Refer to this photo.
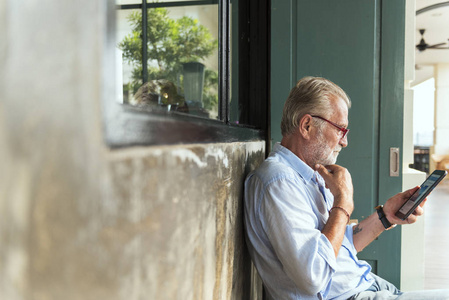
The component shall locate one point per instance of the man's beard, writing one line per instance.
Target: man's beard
(322, 153)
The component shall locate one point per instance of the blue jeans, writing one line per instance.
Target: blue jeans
(383, 290)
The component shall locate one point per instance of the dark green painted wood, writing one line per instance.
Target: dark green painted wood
(337, 40)
(358, 45)
(283, 58)
(391, 126)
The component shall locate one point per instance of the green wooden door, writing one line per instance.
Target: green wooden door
(358, 44)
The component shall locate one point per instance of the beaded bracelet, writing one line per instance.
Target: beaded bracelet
(344, 210)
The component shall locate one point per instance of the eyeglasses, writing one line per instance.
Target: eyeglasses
(342, 129)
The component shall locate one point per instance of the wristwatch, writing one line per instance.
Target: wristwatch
(383, 218)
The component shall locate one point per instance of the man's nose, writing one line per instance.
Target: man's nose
(344, 141)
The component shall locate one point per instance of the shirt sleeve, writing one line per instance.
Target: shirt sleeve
(289, 220)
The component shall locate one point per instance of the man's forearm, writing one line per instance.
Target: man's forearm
(335, 229)
(367, 231)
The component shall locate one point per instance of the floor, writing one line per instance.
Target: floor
(437, 238)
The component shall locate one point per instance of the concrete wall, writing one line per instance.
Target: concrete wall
(81, 221)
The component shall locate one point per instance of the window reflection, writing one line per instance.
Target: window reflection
(178, 70)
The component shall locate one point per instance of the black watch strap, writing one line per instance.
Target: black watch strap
(383, 218)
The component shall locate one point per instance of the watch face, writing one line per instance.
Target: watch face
(391, 227)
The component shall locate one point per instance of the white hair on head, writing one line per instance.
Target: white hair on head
(310, 95)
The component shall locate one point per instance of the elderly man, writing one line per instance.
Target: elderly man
(298, 204)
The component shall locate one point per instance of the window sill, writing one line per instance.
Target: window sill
(126, 126)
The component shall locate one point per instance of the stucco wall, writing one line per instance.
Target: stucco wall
(81, 221)
(180, 220)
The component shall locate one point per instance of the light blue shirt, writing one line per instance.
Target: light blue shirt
(286, 207)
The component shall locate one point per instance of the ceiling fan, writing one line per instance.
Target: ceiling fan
(422, 46)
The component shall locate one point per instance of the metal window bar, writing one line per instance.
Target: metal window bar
(167, 4)
(144, 43)
(224, 61)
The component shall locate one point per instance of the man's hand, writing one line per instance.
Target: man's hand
(339, 182)
(394, 203)
(370, 228)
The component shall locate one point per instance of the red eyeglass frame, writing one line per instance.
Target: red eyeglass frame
(342, 129)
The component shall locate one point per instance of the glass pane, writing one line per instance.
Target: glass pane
(124, 66)
(182, 59)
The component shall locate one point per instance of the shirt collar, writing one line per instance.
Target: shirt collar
(306, 172)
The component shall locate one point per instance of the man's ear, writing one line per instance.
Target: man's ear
(305, 126)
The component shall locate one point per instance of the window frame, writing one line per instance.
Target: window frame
(126, 125)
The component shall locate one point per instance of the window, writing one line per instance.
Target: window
(190, 71)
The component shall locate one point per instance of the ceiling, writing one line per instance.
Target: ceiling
(436, 23)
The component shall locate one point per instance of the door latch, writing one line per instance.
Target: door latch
(394, 162)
